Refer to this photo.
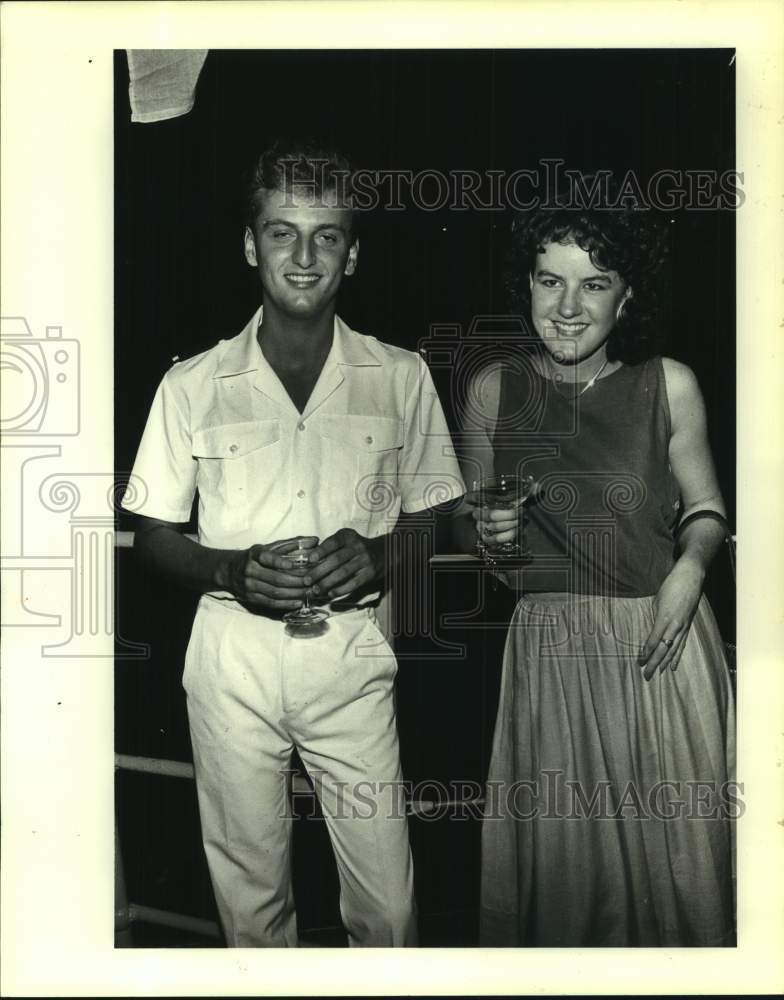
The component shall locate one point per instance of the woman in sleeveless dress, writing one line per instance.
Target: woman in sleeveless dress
(610, 794)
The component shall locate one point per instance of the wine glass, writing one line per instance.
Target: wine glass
(502, 491)
(304, 620)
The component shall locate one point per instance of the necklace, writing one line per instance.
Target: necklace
(588, 385)
(592, 380)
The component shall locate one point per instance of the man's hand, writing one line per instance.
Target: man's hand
(263, 577)
(345, 561)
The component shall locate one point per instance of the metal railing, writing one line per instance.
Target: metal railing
(127, 913)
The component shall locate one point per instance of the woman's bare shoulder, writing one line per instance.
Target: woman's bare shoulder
(679, 377)
(683, 389)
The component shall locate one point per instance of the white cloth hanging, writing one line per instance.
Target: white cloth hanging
(163, 82)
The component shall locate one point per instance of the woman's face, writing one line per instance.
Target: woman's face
(573, 302)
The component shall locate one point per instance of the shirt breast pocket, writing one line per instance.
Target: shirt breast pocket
(361, 456)
(236, 465)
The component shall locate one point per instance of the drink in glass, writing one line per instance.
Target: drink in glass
(303, 621)
(500, 492)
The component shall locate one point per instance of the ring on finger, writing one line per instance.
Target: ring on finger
(667, 642)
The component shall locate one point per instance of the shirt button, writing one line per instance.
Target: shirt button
(300, 427)
(369, 439)
(301, 494)
(233, 448)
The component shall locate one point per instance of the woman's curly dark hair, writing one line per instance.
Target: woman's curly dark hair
(632, 242)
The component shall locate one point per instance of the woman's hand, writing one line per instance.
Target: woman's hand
(674, 607)
(496, 525)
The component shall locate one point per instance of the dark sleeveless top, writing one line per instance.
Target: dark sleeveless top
(602, 519)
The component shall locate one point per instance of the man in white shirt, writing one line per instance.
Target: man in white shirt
(298, 432)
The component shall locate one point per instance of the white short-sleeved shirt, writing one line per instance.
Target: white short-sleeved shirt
(372, 441)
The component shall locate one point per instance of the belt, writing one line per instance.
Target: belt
(232, 604)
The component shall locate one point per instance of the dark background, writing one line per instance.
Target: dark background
(181, 283)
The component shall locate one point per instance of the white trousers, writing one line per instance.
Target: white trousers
(254, 693)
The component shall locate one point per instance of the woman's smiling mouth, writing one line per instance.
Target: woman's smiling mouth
(569, 328)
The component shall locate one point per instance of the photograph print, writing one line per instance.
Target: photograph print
(424, 373)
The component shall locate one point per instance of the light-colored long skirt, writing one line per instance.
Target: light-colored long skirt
(610, 799)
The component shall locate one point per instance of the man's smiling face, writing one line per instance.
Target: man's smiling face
(301, 249)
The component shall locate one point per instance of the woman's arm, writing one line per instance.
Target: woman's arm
(477, 461)
(692, 465)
